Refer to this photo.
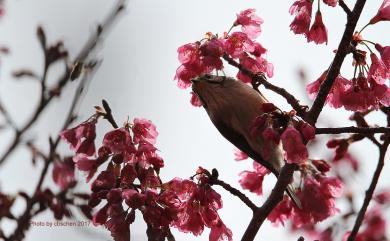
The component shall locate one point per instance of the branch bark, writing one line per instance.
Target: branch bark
(370, 190)
(23, 222)
(236, 192)
(274, 198)
(353, 129)
(83, 55)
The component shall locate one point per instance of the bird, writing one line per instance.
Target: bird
(232, 107)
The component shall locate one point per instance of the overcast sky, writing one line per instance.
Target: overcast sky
(136, 77)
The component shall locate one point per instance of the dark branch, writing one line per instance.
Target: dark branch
(237, 193)
(275, 197)
(334, 70)
(370, 190)
(345, 8)
(353, 129)
(261, 80)
(23, 222)
(108, 115)
(83, 55)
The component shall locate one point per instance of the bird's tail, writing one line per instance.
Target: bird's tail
(293, 196)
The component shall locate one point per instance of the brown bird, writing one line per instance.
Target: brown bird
(232, 107)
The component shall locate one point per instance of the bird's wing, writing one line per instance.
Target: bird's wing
(241, 143)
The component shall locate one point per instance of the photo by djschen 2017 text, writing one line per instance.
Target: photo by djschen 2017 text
(219, 120)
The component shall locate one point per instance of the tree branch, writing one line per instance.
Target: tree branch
(236, 192)
(274, 198)
(345, 8)
(334, 70)
(370, 190)
(83, 55)
(260, 79)
(353, 129)
(23, 222)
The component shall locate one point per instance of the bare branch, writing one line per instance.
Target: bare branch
(353, 129)
(236, 192)
(64, 79)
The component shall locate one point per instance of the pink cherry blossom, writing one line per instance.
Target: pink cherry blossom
(199, 205)
(119, 227)
(361, 96)
(308, 132)
(302, 10)
(259, 50)
(253, 180)
(383, 13)
(385, 54)
(81, 138)
(318, 200)
(238, 43)
(119, 141)
(331, 3)
(184, 75)
(239, 155)
(378, 70)
(133, 198)
(189, 56)
(220, 232)
(282, 212)
(144, 130)
(383, 197)
(63, 173)
(339, 87)
(250, 22)
(295, 150)
(258, 65)
(104, 181)
(211, 52)
(86, 164)
(189, 53)
(195, 101)
(318, 32)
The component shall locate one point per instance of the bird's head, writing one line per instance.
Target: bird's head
(211, 88)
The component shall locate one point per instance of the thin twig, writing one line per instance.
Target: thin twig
(108, 115)
(345, 8)
(353, 129)
(237, 193)
(370, 190)
(334, 70)
(300, 109)
(274, 198)
(23, 222)
(64, 79)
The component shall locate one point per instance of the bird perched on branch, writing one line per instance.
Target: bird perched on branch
(232, 107)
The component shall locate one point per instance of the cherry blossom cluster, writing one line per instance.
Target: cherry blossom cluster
(205, 56)
(317, 191)
(302, 9)
(368, 88)
(277, 126)
(130, 181)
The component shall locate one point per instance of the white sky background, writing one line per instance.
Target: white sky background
(136, 77)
